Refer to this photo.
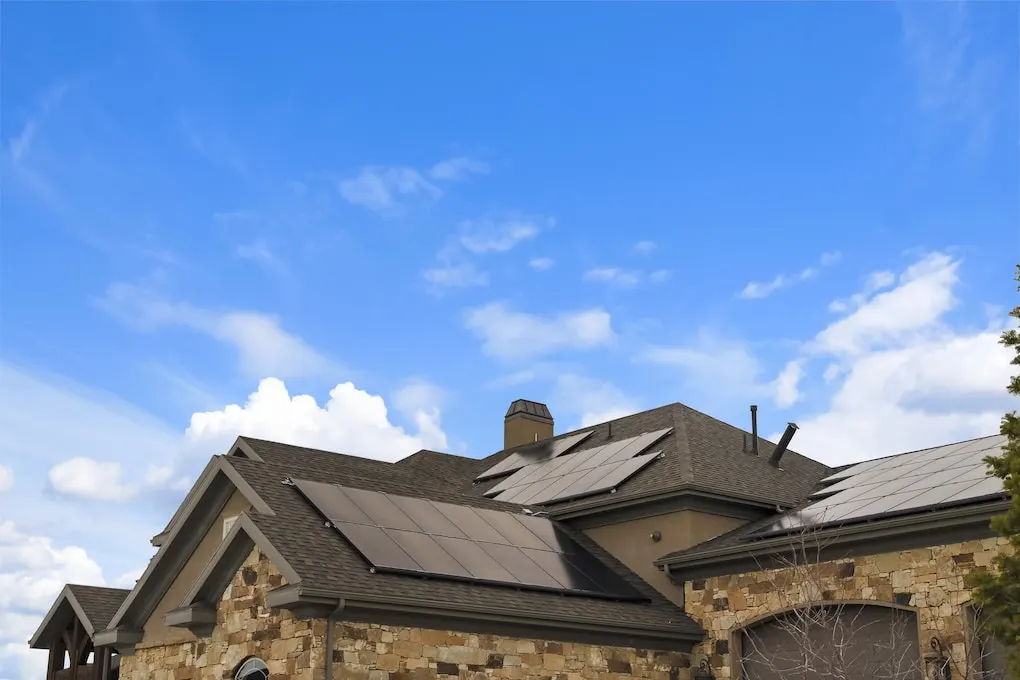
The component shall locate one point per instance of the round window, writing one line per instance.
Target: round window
(252, 669)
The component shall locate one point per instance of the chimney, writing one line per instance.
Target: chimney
(791, 429)
(526, 422)
(753, 448)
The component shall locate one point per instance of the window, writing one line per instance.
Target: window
(228, 524)
(252, 669)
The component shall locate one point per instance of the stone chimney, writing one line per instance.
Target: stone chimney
(526, 422)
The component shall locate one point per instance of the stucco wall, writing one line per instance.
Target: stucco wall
(155, 629)
(929, 581)
(631, 542)
(294, 649)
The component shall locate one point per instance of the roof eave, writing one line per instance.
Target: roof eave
(936, 525)
(441, 615)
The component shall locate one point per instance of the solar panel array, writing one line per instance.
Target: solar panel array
(534, 453)
(417, 536)
(944, 475)
(584, 473)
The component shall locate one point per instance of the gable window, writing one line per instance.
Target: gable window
(252, 669)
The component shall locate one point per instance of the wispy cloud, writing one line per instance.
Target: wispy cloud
(263, 346)
(956, 81)
(644, 247)
(462, 275)
(214, 146)
(756, 290)
(625, 278)
(458, 169)
(19, 145)
(874, 282)
(500, 235)
(382, 188)
(510, 334)
(541, 263)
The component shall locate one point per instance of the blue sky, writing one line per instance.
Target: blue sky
(443, 207)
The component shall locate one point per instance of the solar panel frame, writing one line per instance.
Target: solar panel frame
(490, 546)
(934, 477)
(542, 483)
(543, 451)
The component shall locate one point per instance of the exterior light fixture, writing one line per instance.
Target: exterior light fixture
(703, 671)
(937, 662)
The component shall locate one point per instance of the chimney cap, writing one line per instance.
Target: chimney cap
(530, 408)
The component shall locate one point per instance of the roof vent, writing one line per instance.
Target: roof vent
(751, 440)
(526, 422)
(791, 429)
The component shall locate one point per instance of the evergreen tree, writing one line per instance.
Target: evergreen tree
(997, 592)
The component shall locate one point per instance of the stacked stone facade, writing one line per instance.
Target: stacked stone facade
(294, 649)
(929, 581)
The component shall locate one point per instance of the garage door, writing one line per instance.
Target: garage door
(853, 642)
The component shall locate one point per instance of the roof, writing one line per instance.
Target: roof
(701, 453)
(530, 408)
(94, 606)
(326, 561)
(757, 533)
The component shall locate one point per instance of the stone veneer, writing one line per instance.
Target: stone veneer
(928, 580)
(294, 648)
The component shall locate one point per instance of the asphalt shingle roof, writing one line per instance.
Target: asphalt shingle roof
(99, 604)
(325, 560)
(701, 452)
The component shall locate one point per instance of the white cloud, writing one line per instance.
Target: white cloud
(541, 263)
(903, 378)
(263, 347)
(923, 296)
(660, 276)
(712, 362)
(510, 334)
(614, 276)
(756, 290)
(6, 478)
(257, 251)
(499, 236)
(19, 146)
(458, 168)
(351, 421)
(462, 275)
(644, 247)
(88, 478)
(787, 384)
(380, 188)
(874, 282)
(594, 401)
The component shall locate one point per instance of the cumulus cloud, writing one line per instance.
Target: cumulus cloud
(903, 378)
(540, 264)
(787, 392)
(351, 421)
(263, 346)
(33, 570)
(509, 334)
(756, 290)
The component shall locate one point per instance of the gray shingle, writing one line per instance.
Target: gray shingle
(99, 604)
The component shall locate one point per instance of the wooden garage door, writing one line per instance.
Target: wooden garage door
(853, 642)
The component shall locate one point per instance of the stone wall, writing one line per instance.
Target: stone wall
(294, 649)
(928, 580)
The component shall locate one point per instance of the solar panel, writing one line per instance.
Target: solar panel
(533, 453)
(416, 536)
(955, 473)
(580, 474)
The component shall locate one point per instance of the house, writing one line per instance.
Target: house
(648, 546)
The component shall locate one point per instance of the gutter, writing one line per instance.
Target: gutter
(330, 620)
(834, 536)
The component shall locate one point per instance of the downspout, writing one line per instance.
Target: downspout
(330, 620)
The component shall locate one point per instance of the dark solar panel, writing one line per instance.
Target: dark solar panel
(533, 453)
(417, 536)
(584, 473)
(955, 473)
